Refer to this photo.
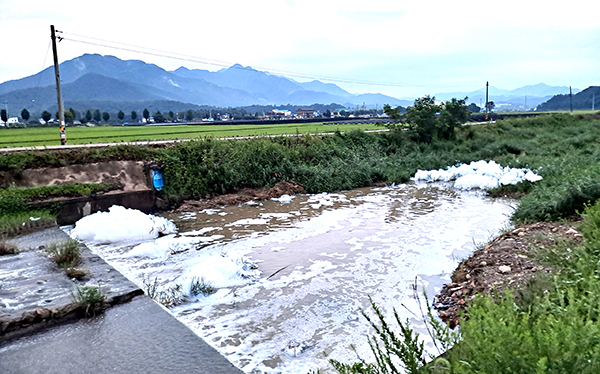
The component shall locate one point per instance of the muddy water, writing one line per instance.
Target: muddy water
(317, 259)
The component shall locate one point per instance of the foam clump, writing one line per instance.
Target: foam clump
(221, 271)
(284, 199)
(121, 224)
(477, 174)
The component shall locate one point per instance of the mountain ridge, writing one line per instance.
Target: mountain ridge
(94, 77)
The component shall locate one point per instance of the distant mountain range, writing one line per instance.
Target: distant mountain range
(107, 82)
(91, 78)
(526, 97)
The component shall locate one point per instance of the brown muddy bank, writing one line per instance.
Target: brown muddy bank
(507, 262)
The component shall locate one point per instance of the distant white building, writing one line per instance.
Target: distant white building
(10, 121)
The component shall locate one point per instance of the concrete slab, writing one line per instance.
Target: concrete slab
(136, 337)
(29, 279)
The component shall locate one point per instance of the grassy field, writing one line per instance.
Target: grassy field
(28, 137)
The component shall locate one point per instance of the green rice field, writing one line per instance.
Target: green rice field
(47, 136)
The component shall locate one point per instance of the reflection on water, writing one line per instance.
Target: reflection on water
(320, 257)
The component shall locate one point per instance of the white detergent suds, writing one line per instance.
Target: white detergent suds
(292, 275)
(477, 174)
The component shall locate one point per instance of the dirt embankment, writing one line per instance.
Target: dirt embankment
(242, 196)
(508, 261)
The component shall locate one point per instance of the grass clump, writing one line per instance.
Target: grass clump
(7, 248)
(171, 296)
(200, 286)
(91, 299)
(66, 254)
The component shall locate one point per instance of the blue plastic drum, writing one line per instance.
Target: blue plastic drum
(157, 180)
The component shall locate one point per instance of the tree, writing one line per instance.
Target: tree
(97, 115)
(158, 117)
(473, 108)
(428, 120)
(146, 114)
(171, 115)
(46, 115)
(73, 113)
(327, 114)
(105, 116)
(454, 113)
(393, 113)
(120, 115)
(422, 118)
(25, 115)
(69, 117)
(88, 116)
(3, 115)
(189, 115)
(133, 115)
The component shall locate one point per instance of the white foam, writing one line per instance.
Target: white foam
(477, 174)
(284, 199)
(120, 224)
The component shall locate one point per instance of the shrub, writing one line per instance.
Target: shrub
(91, 299)
(201, 286)
(12, 204)
(66, 254)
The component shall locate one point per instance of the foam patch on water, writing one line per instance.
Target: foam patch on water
(284, 199)
(120, 224)
(477, 174)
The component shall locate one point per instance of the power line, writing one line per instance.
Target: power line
(201, 60)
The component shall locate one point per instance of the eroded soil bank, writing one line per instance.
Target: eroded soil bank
(508, 261)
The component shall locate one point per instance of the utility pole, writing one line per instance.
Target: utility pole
(487, 107)
(571, 98)
(61, 108)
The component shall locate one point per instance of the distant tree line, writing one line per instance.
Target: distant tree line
(97, 116)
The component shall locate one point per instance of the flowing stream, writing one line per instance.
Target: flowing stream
(292, 275)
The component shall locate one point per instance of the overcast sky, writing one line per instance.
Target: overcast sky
(399, 48)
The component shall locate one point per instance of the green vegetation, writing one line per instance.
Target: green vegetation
(65, 255)
(168, 297)
(174, 294)
(16, 215)
(13, 198)
(46, 136)
(201, 286)
(12, 224)
(91, 299)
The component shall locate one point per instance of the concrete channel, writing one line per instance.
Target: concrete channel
(135, 335)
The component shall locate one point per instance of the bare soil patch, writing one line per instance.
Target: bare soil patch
(242, 196)
(508, 261)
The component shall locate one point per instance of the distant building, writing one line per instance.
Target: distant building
(306, 112)
(10, 121)
(277, 113)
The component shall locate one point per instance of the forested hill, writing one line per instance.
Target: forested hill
(587, 99)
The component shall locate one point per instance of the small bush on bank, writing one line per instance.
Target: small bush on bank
(200, 286)
(91, 299)
(65, 255)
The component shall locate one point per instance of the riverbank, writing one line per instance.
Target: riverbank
(508, 261)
